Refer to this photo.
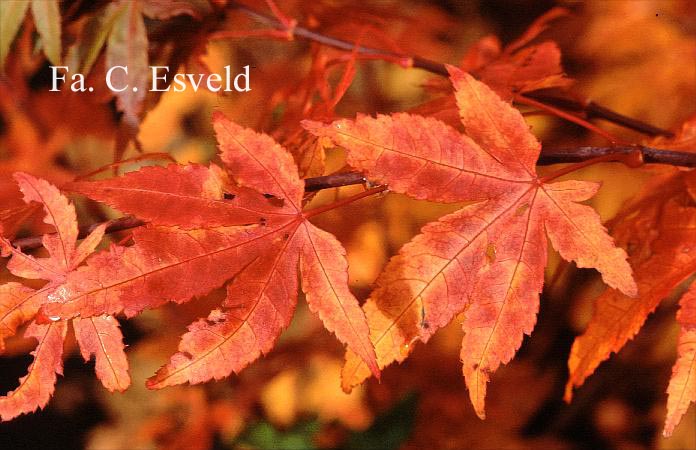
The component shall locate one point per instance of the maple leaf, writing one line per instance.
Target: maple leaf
(255, 232)
(663, 259)
(519, 67)
(191, 196)
(127, 47)
(487, 258)
(100, 336)
(682, 386)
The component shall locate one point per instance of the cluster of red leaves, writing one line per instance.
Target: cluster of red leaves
(120, 26)
(244, 226)
(658, 228)
(98, 335)
(518, 68)
(486, 259)
(204, 230)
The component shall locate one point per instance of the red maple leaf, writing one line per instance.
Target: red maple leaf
(663, 259)
(486, 259)
(99, 336)
(204, 231)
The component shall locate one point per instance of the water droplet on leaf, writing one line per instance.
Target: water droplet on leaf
(60, 295)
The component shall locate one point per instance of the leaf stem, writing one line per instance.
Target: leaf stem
(650, 155)
(589, 108)
(633, 158)
(567, 116)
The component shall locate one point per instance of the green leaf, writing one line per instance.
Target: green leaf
(47, 20)
(263, 436)
(390, 430)
(86, 50)
(11, 18)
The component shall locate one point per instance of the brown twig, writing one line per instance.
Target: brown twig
(334, 180)
(128, 222)
(649, 155)
(588, 108)
(595, 110)
(567, 116)
(120, 224)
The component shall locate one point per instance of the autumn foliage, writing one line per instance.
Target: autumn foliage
(240, 236)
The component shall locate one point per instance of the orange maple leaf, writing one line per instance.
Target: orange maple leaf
(254, 231)
(682, 386)
(519, 67)
(487, 258)
(99, 336)
(663, 259)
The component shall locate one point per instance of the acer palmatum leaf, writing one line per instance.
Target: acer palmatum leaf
(662, 259)
(681, 391)
(176, 264)
(190, 196)
(37, 386)
(127, 46)
(518, 68)
(267, 289)
(21, 304)
(18, 305)
(488, 257)
(101, 337)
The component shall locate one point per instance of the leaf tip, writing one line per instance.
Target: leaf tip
(568, 394)
(476, 383)
(453, 71)
(158, 380)
(346, 387)
(312, 125)
(668, 430)
(220, 118)
(631, 288)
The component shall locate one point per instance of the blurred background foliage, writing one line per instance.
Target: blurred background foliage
(636, 56)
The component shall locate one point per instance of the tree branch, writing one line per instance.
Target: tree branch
(120, 224)
(128, 222)
(589, 108)
(334, 180)
(650, 155)
(548, 156)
